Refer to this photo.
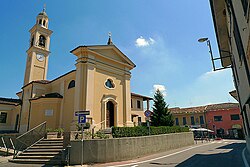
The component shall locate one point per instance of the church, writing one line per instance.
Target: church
(100, 83)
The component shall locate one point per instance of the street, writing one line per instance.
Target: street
(211, 154)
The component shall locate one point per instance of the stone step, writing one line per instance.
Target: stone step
(50, 141)
(49, 144)
(54, 139)
(37, 157)
(36, 161)
(40, 153)
(46, 147)
(44, 150)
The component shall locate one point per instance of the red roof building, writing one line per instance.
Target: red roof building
(225, 120)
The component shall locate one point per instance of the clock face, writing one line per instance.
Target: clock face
(40, 57)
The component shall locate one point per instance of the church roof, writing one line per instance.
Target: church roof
(107, 46)
(49, 95)
(10, 101)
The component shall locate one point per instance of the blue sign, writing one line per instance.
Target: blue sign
(81, 118)
(147, 113)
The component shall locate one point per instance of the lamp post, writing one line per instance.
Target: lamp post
(210, 49)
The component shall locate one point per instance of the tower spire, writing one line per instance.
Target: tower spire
(110, 39)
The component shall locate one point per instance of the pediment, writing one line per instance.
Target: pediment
(113, 53)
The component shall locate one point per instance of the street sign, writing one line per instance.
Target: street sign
(82, 112)
(81, 118)
(147, 113)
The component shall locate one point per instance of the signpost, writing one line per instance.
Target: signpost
(81, 121)
(148, 113)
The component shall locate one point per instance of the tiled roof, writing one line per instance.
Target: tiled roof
(222, 106)
(178, 110)
(10, 101)
(202, 109)
(144, 97)
(49, 95)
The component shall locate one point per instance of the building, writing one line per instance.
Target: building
(99, 84)
(231, 23)
(225, 120)
(193, 117)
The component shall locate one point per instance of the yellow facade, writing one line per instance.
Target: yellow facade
(191, 117)
(99, 84)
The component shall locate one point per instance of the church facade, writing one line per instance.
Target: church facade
(99, 84)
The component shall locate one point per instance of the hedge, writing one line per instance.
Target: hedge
(118, 132)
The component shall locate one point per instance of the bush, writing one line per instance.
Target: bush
(118, 132)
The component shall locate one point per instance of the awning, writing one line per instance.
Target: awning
(201, 129)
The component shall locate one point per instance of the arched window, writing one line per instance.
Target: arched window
(71, 84)
(42, 40)
(109, 83)
(40, 21)
(44, 22)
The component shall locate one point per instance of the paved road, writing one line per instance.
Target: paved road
(224, 153)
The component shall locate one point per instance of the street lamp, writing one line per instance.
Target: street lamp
(210, 49)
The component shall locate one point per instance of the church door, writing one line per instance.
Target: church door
(110, 115)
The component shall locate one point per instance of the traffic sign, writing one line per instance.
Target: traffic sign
(82, 112)
(147, 113)
(81, 118)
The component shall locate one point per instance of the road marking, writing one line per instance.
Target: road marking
(134, 166)
(244, 158)
(135, 163)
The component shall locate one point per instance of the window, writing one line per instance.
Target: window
(40, 21)
(42, 40)
(217, 118)
(138, 104)
(244, 5)
(237, 39)
(201, 120)
(131, 103)
(235, 117)
(3, 117)
(71, 84)
(109, 83)
(184, 120)
(176, 121)
(44, 22)
(192, 120)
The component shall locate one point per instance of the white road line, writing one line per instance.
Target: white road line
(135, 163)
(134, 166)
(244, 158)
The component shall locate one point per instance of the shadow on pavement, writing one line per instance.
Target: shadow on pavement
(224, 156)
(230, 156)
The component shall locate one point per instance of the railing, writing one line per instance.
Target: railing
(29, 138)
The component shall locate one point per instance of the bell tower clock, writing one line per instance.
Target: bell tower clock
(38, 52)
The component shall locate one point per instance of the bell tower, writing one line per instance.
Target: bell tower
(38, 52)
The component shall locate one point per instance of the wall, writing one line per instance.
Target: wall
(226, 122)
(188, 119)
(12, 112)
(118, 149)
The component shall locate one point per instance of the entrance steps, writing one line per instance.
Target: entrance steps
(47, 151)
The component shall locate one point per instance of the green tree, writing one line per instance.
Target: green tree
(161, 116)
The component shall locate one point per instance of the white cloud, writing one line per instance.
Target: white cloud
(142, 42)
(161, 88)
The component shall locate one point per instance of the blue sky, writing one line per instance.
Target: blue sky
(160, 37)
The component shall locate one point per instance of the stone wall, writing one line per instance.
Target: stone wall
(119, 149)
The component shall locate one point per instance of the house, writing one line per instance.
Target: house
(225, 120)
(193, 117)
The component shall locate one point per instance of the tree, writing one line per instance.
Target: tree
(161, 116)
